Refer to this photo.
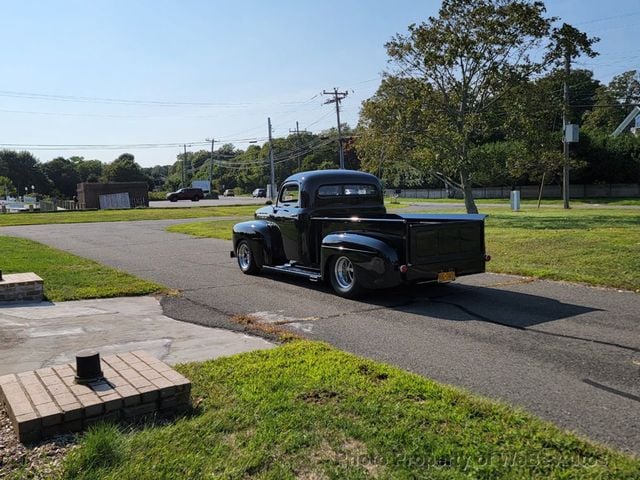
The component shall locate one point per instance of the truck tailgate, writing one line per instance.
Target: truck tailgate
(445, 241)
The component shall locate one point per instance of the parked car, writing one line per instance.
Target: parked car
(260, 193)
(332, 226)
(193, 194)
(229, 193)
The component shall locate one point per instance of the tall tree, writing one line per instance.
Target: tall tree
(467, 58)
(614, 102)
(24, 171)
(88, 170)
(63, 175)
(125, 169)
(391, 137)
(568, 43)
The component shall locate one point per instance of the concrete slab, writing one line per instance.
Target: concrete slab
(44, 334)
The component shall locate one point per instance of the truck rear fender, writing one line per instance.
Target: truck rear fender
(376, 261)
(263, 235)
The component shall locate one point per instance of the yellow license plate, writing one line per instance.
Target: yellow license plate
(444, 277)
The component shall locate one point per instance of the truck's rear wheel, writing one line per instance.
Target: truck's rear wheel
(247, 260)
(343, 277)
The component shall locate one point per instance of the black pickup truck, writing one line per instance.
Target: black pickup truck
(331, 225)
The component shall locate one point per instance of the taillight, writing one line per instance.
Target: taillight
(487, 258)
(404, 268)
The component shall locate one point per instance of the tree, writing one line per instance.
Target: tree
(24, 170)
(466, 59)
(125, 169)
(63, 175)
(614, 102)
(88, 170)
(6, 187)
(391, 138)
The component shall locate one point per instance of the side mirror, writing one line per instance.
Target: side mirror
(268, 202)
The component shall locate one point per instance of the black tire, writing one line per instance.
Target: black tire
(343, 277)
(249, 262)
(173, 199)
(195, 199)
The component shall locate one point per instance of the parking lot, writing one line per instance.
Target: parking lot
(567, 353)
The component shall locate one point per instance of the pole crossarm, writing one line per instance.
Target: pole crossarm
(337, 98)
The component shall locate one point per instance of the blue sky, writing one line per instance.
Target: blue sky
(246, 60)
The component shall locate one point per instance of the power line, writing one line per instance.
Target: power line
(121, 101)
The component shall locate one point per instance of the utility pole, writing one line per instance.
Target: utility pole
(184, 167)
(565, 143)
(337, 98)
(297, 132)
(273, 172)
(211, 168)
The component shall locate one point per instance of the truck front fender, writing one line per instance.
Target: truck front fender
(263, 235)
(375, 261)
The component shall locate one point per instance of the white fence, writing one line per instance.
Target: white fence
(527, 191)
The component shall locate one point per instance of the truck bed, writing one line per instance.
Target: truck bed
(428, 243)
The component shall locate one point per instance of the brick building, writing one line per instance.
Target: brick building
(89, 193)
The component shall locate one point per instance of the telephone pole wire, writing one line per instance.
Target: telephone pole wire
(297, 132)
(273, 172)
(337, 98)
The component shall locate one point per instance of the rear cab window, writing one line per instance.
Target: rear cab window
(362, 190)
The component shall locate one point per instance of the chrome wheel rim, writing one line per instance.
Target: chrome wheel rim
(244, 256)
(343, 272)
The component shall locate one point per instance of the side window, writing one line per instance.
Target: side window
(290, 195)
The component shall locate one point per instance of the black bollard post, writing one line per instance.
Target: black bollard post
(88, 368)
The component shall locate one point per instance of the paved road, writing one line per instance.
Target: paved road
(567, 353)
(222, 201)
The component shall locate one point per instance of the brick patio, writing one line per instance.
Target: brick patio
(47, 401)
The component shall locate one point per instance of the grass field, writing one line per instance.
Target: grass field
(213, 228)
(93, 216)
(593, 246)
(66, 276)
(306, 410)
(590, 245)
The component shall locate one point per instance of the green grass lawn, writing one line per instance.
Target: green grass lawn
(306, 410)
(92, 216)
(213, 228)
(593, 246)
(66, 276)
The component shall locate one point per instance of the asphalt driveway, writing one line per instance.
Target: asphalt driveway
(565, 352)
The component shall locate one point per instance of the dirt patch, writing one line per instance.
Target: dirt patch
(349, 451)
(318, 396)
(38, 460)
(367, 371)
(254, 325)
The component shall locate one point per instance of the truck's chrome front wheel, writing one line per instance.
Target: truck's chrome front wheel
(343, 278)
(246, 258)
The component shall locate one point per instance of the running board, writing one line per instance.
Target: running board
(312, 275)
